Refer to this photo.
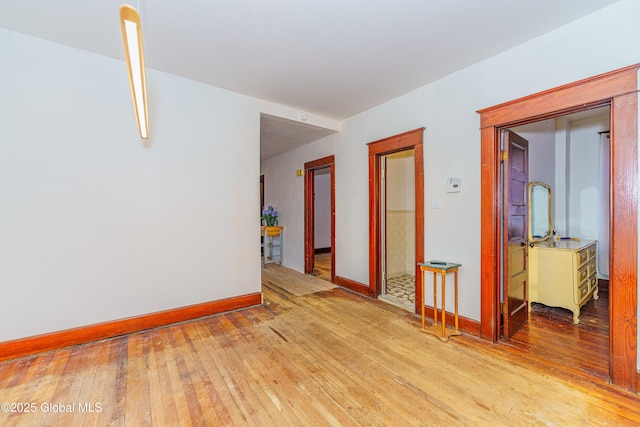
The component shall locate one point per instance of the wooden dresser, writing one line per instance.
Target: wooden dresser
(563, 274)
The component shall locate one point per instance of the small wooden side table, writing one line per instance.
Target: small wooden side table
(443, 268)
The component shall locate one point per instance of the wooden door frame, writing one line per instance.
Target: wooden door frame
(619, 90)
(309, 214)
(377, 149)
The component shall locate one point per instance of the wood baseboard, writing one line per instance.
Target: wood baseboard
(322, 250)
(466, 325)
(51, 341)
(353, 285)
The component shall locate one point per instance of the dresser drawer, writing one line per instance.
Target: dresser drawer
(593, 266)
(583, 256)
(593, 250)
(583, 291)
(583, 273)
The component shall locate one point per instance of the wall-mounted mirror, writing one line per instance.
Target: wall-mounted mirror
(540, 213)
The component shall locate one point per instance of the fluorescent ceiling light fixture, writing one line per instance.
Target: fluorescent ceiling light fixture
(132, 36)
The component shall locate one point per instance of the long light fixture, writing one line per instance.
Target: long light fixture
(132, 36)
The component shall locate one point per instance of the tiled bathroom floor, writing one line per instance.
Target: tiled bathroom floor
(401, 292)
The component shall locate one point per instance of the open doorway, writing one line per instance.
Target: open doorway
(322, 247)
(567, 324)
(378, 158)
(617, 89)
(397, 229)
(319, 218)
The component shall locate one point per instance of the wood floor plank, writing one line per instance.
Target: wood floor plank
(103, 380)
(83, 384)
(19, 371)
(204, 407)
(267, 381)
(551, 339)
(67, 387)
(137, 383)
(329, 357)
(226, 362)
(115, 401)
(30, 391)
(221, 410)
(322, 266)
(293, 378)
(245, 362)
(284, 379)
(163, 405)
(157, 399)
(347, 375)
(174, 358)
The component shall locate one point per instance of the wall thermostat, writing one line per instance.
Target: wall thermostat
(453, 185)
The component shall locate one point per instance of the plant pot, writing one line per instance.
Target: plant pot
(272, 230)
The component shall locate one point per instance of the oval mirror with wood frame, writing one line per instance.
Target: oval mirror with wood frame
(540, 213)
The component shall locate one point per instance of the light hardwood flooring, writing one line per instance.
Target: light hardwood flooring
(322, 266)
(325, 358)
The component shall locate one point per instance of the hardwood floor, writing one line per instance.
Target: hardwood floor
(550, 338)
(322, 266)
(326, 358)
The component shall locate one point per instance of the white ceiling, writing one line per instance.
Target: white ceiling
(279, 135)
(334, 58)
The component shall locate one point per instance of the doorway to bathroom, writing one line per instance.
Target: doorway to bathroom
(398, 227)
(403, 203)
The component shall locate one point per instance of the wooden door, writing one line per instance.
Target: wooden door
(516, 180)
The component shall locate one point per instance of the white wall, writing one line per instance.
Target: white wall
(447, 109)
(322, 209)
(97, 225)
(583, 185)
(542, 150)
(563, 176)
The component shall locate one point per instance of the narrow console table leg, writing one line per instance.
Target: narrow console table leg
(444, 322)
(423, 297)
(455, 284)
(435, 300)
